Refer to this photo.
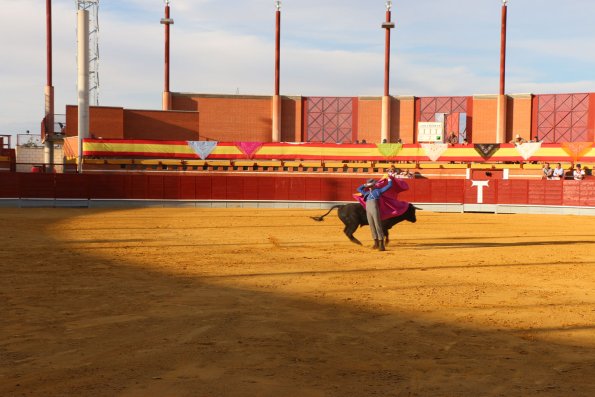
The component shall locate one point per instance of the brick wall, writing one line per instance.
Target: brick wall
(153, 124)
(484, 118)
(235, 118)
(518, 117)
(369, 119)
(403, 120)
(106, 122)
(184, 102)
(119, 123)
(249, 118)
(291, 119)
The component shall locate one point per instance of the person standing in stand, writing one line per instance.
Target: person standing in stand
(371, 195)
(547, 171)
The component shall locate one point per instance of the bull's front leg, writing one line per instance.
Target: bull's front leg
(386, 237)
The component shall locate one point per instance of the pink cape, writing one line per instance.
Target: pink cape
(389, 206)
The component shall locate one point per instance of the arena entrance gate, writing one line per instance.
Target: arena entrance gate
(330, 119)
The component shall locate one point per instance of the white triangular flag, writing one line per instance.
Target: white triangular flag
(202, 148)
(434, 150)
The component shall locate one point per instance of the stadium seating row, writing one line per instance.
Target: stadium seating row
(419, 169)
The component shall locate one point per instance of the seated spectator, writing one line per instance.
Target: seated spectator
(384, 140)
(399, 140)
(547, 171)
(393, 172)
(558, 172)
(452, 139)
(578, 174)
(406, 174)
(465, 141)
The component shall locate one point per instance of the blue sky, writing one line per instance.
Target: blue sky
(329, 48)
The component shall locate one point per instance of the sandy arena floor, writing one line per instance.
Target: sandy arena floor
(240, 302)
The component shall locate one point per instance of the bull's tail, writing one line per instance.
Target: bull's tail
(321, 218)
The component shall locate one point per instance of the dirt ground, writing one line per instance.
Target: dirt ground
(256, 302)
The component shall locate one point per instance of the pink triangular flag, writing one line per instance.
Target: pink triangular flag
(249, 148)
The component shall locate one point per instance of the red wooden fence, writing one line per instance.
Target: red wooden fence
(288, 188)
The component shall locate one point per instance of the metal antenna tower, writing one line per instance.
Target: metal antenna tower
(93, 7)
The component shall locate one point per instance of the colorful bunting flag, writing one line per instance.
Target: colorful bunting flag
(389, 149)
(434, 150)
(528, 149)
(202, 148)
(249, 148)
(576, 150)
(486, 150)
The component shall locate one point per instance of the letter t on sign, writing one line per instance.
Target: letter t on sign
(480, 185)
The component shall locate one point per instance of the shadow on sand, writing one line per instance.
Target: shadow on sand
(96, 327)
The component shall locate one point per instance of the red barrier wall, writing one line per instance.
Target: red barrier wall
(288, 188)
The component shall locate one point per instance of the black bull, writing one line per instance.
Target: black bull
(353, 215)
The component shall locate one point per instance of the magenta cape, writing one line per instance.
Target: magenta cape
(388, 204)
